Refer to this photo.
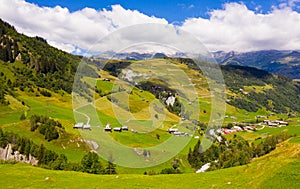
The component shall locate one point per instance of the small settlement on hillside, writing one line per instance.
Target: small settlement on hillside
(82, 126)
(252, 127)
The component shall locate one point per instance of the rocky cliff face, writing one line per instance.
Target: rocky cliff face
(7, 153)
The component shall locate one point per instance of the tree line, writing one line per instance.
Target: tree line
(234, 152)
(49, 159)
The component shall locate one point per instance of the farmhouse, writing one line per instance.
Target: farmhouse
(124, 128)
(272, 124)
(170, 101)
(233, 117)
(275, 123)
(107, 128)
(87, 127)
(237, 128)
(118, 129)
(78, 126)
(282, 123)
(180, 134)
(172, 130)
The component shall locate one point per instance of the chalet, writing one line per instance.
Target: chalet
(249, 128)
(124, 128)
(87, 127)
(272, 124)
(226, 131)
(172, 130)
(78, 126)
(260, 116)
(282, 123)
(118, 129)
(107, 128)
(180, 134)
(170, 101)
(237, 128)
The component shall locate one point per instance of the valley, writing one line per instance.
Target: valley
(166, 107)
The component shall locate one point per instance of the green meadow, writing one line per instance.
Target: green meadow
(279, 169)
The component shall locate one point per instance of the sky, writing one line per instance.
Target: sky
(74, 25)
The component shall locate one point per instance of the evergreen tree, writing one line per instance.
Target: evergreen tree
(91, 164)
(110, 169)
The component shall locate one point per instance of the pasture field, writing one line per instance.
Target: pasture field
(279, 169)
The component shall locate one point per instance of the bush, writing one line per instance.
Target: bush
(22, 117)
(45, 93)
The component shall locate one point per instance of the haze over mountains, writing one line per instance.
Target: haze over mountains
(279, 62)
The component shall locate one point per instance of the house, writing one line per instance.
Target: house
(118, 129)
(124, 128)
(272, 124)
(180, 134)
(260, 116)
(107, 128)
(282, 123)
(170, 101)
(233, 117)
(172, 130)
(87, 127)
(78, 126)
(237, 128)
(249, 128)
(226, 132)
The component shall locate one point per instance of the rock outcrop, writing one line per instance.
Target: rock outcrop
(7, 153)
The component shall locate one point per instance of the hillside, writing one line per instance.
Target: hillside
(278, 62)
(147, 98)
(277, 170)
(29, 62)
(255, 89)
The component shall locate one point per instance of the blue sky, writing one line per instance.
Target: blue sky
(75, 25)
(172, 10)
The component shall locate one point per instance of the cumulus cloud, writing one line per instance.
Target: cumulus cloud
(70, 30)
(237, 28)
(234, 27)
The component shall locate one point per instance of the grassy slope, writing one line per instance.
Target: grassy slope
(59, 107)
(278, 169)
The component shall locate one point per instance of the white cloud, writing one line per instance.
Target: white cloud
(235, 27)
(66, 30)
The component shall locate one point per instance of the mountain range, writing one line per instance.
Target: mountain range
(280, 62)
(285, 63)
(41, 107)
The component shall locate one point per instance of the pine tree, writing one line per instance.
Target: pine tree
(91, 164)
(110, 169)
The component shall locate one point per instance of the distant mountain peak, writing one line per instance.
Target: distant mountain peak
(282, 62)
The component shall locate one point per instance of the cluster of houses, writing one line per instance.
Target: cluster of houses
(275, 123)
(116, 129)
(82, 126)
(270, 123)
(106, 129)
(175, 132)
(226, 131)
(232, 117)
